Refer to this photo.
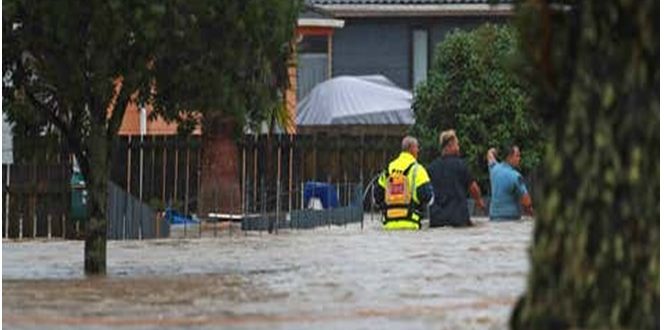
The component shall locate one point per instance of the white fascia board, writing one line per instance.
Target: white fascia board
(320, 22)
(419, 10)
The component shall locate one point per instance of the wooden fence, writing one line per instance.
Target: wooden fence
(165, 170)
(342, 160)
(37, 204)
(159, 170)
(269, 172)
(36, 201)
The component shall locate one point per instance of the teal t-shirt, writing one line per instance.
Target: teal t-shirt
(507, 188)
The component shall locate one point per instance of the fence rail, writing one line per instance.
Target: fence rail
(346, 209)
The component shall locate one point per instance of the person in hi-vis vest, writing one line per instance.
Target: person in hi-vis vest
(403, 190)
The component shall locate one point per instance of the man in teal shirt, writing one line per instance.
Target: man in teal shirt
(508, 189)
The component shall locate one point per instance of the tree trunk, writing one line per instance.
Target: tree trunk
(595, 254)
(220, 180)
(95, 168)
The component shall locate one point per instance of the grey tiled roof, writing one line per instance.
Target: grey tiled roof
(402, 2)
(313, 12)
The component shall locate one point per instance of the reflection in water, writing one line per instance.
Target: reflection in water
(324, 278)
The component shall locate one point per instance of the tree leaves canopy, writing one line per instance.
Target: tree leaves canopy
(76, 65)
(473, 87)
(64, 59)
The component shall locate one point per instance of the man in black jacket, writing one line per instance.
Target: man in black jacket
(451, 181)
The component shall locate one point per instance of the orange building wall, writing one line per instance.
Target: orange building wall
(131, 123)
(291, 96)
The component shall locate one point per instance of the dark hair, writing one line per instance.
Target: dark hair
(507, 150)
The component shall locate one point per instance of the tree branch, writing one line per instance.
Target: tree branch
(69, 132)
(50, 111)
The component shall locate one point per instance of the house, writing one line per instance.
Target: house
(394, 38)
(314, 35)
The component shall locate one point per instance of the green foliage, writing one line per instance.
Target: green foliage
(62, 61)
(67, 63)
(594, 66)
(223, 59)
(472, 88)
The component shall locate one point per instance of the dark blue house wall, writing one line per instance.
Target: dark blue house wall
(383, 45)
(370, 46)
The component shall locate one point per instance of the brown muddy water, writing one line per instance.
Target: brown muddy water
(325, 278)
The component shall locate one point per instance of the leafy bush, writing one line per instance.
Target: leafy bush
(473, 87)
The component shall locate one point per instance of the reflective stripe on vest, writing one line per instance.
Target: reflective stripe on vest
(409, 211)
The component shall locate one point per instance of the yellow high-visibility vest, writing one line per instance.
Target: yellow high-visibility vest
(419, 176)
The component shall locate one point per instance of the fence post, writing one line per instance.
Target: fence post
(34, 222)
(153, 149)
(157, 231)
(124, 225)
(129, 165)
(362, 160)
(140, 218)
(290, 173)
(140, 169)
(49, 219)
(186, 187)
(64, 226)
(276, 228)
(302, 195)
(177, 169)
(328, 197)
(361, 206)
(9, 166)
(347, 198)
(198, 189)
(263, 206)
(243, 191)
(163, 172)
(255, 147)
(20, 226)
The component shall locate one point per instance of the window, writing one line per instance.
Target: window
(313, 63)
(313, 44)
(420, 56)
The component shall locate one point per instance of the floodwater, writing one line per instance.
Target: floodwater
(325, 278)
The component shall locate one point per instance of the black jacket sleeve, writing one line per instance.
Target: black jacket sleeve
(379, 192)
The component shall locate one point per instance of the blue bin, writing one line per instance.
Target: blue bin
(327, 193)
